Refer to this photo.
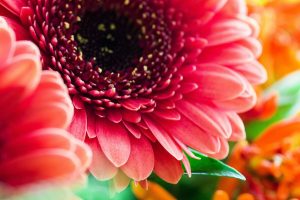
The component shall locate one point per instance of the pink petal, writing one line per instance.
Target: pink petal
(186, 149)
(234, 7)
(22, 71)
(77, 102)
(133, 129)
(187, 166)
(40, 139)
(231, 54)
(141, 160)
(223, 152)
(226, 30)
(166, 166)
(187, 87)
(206, 118)
(13, 6)
(241, 104)
(46, 164)
(52, 89)
(114, 141)
(253, 44)
(100, 167)
(78, 127)
(7, 41)
(163, 138)
(10, 101)
(213, 5)
(148, 134)
(84, 154)
(19, 29)
(114, 115)
(50, 106)
(135, 104)
(253, 71)
(169, 114)
(238, 129)
(191, 135)
(212, 79)
(91, 124)
(131, 116)
(26, 47)
(199, 8)
(18, 80)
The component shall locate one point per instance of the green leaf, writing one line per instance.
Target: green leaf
(288, 90)
(212, 167)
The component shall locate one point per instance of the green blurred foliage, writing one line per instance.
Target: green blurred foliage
(100, 190)
(288, 90)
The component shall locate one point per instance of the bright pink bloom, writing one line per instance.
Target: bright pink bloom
(35, 110)
(148, 79)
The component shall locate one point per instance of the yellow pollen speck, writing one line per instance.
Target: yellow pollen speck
(134, 71)
(81, 39)
(109, 37)
(80, 56)
(106, 50)
(112, 27)
(101, 27)
(126, 2)
(150, 56)
(66, 25)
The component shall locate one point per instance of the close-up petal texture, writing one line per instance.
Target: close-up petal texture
(35, 111)
(148, 79)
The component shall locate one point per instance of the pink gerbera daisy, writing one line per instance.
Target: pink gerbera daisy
(148, 79)
(35, 110)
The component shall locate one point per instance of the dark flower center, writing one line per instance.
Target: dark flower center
(108, 51)
(111, 40)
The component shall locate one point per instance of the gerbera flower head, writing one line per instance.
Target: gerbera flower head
(270, 163)
(149, 79)
(35, 111)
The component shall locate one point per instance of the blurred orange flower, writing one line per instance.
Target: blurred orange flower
(151, 191)
(222, 195)
(280, 35)
(271, 164)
